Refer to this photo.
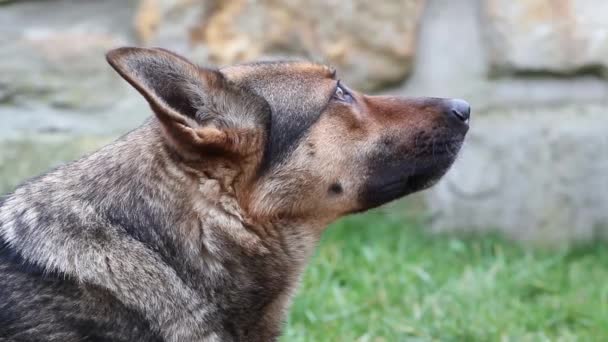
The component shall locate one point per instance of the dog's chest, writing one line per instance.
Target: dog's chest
(246, 274)
(249, 295)
(252, 290)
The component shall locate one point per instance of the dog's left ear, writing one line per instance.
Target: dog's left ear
(199, 109)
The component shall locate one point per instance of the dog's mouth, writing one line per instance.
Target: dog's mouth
(433, 163)
(399, 178)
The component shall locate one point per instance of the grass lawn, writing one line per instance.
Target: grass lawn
(378, 277)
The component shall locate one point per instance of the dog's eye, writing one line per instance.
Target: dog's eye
(342, 94)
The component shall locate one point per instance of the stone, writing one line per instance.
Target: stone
(53, 54)
(173, 24)
(54, 76)
(371, 43)
(533, 174)
(554, 36)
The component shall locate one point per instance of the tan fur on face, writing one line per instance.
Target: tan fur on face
(337, 150)
(330, 153)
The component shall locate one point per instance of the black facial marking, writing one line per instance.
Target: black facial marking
(396, 171)
(296, 101)
(387, 181)
(286, 130)
(336, 189)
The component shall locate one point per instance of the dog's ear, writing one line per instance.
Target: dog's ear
(199, 109)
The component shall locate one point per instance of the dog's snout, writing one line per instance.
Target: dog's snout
(458, 109)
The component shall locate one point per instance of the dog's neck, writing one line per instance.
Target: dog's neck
(213, 191)
(219, 237)
(170, 231)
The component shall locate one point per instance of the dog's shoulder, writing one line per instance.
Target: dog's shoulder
(42, 221)
(69, 310)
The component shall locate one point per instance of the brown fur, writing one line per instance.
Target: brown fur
(197, 225)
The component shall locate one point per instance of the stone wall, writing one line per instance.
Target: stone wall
(535, 166)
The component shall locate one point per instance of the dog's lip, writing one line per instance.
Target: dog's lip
(439, 149)
(409, 173)
(432, 169)
(408, 183)
(422, 180)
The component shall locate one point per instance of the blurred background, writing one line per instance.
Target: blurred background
(508, 246)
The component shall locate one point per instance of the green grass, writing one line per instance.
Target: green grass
(377, 277)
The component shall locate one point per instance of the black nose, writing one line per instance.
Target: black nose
(458, 109)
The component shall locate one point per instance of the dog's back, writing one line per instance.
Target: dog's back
(37, 302)
(39, 306)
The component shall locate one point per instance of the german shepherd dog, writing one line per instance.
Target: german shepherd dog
(197, 225)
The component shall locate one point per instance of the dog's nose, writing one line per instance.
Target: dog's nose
(458, 109)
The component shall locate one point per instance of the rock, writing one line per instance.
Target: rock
(538, 174)
(53, 53)
(556, 36)
(54, 76)
(173, 25)
(372, 43)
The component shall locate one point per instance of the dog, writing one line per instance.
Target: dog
(197, 225)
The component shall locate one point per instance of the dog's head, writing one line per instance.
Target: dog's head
(300, 142)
